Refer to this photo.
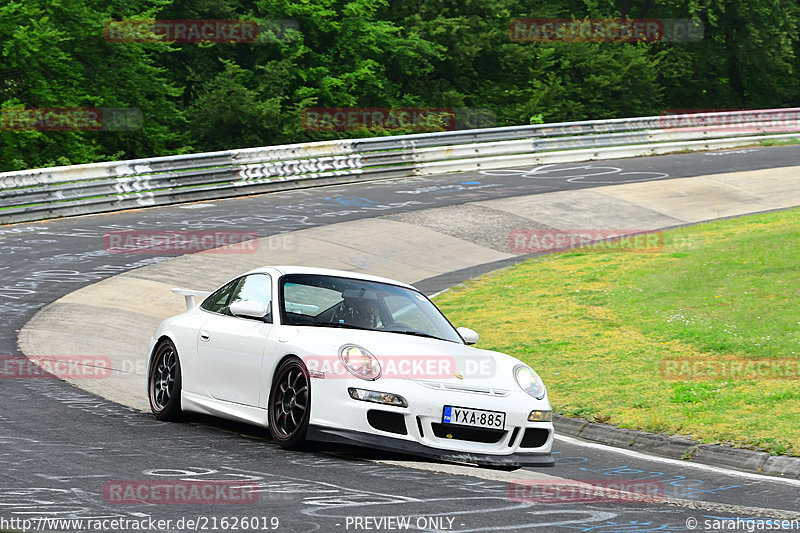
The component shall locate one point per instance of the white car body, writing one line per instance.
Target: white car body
(227, 366)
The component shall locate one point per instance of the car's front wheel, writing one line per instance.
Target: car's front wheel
(164, 383)
(290, 404)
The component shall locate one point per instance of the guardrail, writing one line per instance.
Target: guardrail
(100, 187)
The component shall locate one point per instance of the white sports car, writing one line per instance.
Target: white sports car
(332, 356)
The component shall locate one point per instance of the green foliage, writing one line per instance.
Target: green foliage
(370, 53)
(54, 55)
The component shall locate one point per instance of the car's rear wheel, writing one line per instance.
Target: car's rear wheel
(164, 383)
(290, 404)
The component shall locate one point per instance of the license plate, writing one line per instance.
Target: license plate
(478, 418)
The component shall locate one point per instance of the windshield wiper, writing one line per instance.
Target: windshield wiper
(350, 326)
(415, 333)
(346, 326)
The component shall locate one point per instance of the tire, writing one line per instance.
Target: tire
(164, 383)
(289, 408)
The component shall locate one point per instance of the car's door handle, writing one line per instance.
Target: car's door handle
(205, 336)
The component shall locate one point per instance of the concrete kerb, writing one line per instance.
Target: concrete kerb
(678, 447)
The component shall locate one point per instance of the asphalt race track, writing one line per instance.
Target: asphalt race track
(62, 446)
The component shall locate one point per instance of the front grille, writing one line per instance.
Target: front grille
(487, 436)
(534, 438)
(386, 421)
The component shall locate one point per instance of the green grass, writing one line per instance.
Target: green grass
(771, 142)
(597, 327)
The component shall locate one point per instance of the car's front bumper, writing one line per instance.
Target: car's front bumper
(381, 442)
(418, 428)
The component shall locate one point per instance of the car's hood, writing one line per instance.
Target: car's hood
(408, 356)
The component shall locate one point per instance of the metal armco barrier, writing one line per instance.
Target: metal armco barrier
(100, 187)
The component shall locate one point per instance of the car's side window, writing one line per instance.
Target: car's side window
(218, 301)
(255, 288)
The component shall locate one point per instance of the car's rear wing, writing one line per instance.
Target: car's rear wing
(190, 296)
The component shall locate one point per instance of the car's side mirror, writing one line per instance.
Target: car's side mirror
(469, 336)
(248, 309)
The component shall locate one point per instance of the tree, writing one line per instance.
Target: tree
(54, 55)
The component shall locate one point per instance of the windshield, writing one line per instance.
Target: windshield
(329, 301)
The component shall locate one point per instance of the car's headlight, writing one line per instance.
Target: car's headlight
(529, 381)
(360, 362)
